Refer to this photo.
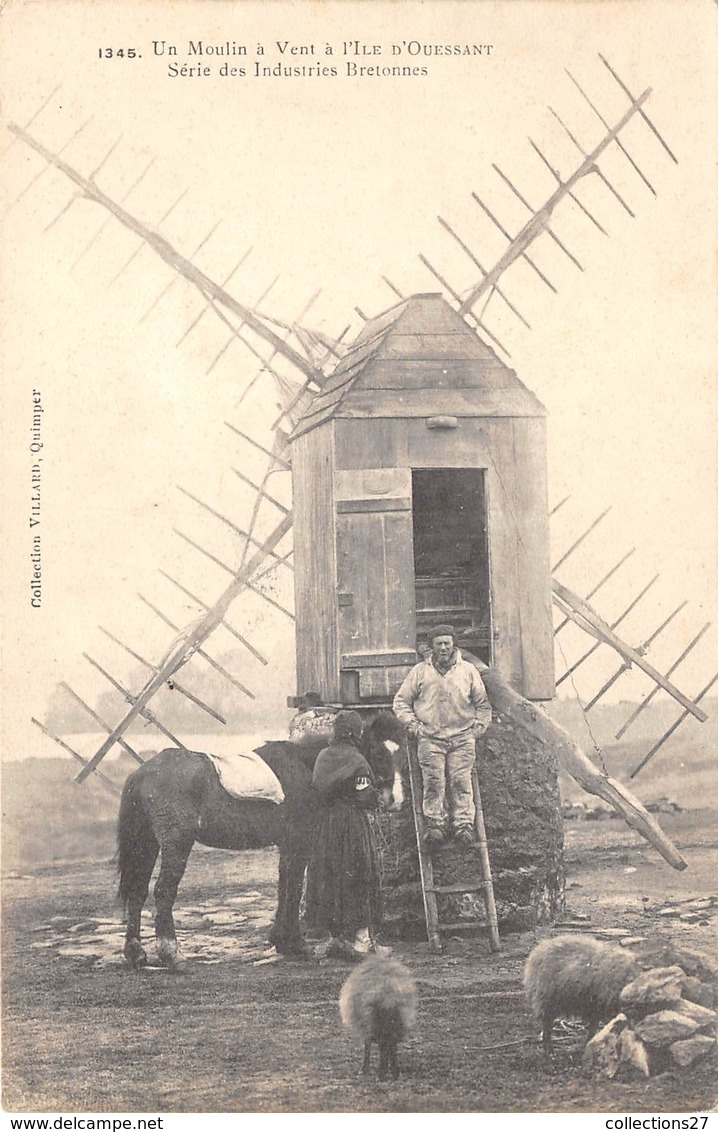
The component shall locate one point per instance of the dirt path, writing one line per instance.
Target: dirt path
(244, 1031)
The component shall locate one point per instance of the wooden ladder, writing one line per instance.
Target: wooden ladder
(430, 890)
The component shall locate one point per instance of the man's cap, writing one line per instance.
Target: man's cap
(442, 631)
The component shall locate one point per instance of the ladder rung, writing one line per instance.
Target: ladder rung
(477, 886)
(459, 924)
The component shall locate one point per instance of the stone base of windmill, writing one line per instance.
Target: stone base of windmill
(518, 777)
(668, 1021)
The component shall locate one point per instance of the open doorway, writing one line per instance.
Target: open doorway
(451, 557)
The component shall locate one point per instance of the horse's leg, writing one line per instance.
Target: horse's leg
(137, 849)
(134, 952)
(175, 853)
(367, 1057)
(285, 934)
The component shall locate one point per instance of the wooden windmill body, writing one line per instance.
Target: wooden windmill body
(419, 486)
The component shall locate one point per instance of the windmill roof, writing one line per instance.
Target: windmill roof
(420, 359)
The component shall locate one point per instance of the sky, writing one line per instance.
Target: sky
(328, 183)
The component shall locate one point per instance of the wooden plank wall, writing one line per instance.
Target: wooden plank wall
(513, 452)
(317, 642)
(375, 569)
(534, 563)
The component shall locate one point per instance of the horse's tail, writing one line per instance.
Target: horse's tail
(135, 839)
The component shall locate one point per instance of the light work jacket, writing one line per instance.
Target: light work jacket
(445, 707)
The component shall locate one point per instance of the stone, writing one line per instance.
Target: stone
(657, 987)
(602, 1055)
(686, 1052)
(664, 953)
(703, 1015)
(633, 1052)
(696, 991)
(665, 1027)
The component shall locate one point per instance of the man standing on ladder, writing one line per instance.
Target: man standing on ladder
(443, 704)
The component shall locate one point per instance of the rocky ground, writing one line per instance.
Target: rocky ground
(243, 1030)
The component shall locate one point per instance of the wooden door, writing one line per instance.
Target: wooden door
(375, 580)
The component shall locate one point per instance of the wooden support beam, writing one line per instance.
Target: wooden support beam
(576, 200)
(316, 379)
(107, 221)
(647, 699)
(177, 687)
(674, 727)
(178, 274)
(144, 711)
(547, 228)
(637, 102)
(78, 758)
(248, 585)
(275, 456)
(99, 720)
(142, 243)
(580, 539)
(627, 664)
(597, 587)
(538, 221)
(233, 526)
(467, 251)
(265, 494)
(614, 625)
(391, 287)
(235, 334)
(225, 624)
(579, 610)
(596, 169)
(49, 160)
(457, 298)
(208, 305)
(199, 651)
(170, 255)
(619, 143)
(179, 654)
(559, 505)
(523, 253)
(531, 718)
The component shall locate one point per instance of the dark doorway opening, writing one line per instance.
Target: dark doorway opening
(451, 557)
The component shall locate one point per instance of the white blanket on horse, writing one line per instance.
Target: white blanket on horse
(246, 775)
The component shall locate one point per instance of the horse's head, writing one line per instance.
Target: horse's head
(383, 744)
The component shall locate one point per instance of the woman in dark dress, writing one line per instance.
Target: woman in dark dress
(343, 882)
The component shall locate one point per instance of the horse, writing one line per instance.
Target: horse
(175, 799)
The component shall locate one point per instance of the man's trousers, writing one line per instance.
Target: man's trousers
(446, 766)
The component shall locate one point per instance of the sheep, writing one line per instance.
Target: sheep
(576, 976)
(378, 1002)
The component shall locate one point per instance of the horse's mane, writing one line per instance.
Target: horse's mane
(384, 725)
(306, 755)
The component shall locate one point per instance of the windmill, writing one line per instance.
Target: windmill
(306, 366)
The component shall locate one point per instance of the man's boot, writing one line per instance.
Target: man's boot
(434, 835)
(464, 836)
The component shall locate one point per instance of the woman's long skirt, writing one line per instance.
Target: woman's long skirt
(343, 881)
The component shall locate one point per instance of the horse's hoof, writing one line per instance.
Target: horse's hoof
(295, 948)
(135, 954)
(169, 956)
